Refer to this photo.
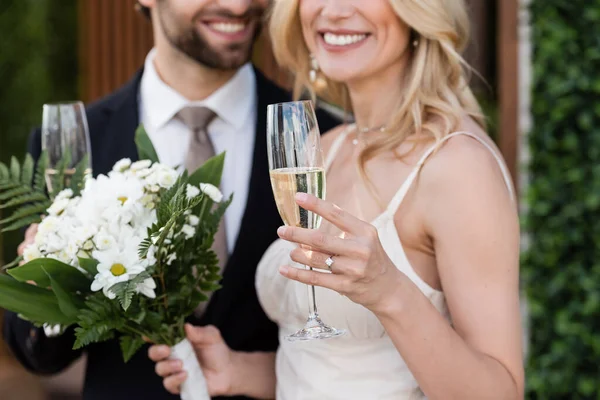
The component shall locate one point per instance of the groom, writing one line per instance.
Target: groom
(197, 78)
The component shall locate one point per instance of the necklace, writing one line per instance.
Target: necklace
(363, 131)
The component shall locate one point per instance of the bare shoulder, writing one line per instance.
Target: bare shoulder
(463, 164)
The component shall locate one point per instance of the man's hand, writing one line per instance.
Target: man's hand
(214, 357)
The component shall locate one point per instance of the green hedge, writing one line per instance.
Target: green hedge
(561, 268)
(38, 63)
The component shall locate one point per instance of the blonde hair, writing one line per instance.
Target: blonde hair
(436, 95)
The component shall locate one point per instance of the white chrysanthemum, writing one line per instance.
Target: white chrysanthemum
(31, 252)
(193, 220)
(140, 165)
(151, 255)
(64, 194)
(211, 191)
(116, 265)
(191, 192)
(188, 231)
(104, 241)
(162, 176)
(122, 165)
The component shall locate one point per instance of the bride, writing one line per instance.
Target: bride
(421, 225)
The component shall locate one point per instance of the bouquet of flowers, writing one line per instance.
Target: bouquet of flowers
(126, 255)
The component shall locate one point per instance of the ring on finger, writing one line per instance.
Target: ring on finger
(329, 262)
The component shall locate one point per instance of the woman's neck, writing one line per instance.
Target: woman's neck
(375, 98)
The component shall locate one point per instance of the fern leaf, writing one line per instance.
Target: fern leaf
(27, 198)
(4, 174)
(27, 171)
(18, 191)
(124, 292)
(33, 209)
(15, 170)
(8, 185)
(22, 223)
(78, 178)
(39, 180)
(97, 322)
(58, 179)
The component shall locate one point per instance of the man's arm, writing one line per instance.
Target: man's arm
(29, 344)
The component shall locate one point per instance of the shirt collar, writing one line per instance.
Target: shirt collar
(232, 102)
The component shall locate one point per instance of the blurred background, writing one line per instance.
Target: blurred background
(539, 84)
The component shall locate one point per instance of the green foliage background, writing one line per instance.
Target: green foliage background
(561, 269)
(38, 64)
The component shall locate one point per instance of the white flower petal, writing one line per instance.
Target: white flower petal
(212, 191)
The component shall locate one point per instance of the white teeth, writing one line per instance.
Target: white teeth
(227, 27)
(343, 40)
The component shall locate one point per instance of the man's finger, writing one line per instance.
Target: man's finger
(159, 353)
(173, 383)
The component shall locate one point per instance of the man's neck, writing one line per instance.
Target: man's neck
(187, 77)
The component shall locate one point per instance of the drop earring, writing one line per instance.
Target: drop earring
(314, 69)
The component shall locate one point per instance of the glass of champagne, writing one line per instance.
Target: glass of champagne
(65, 129)
(296, 165)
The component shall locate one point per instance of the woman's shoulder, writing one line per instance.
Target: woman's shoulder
(468, 157)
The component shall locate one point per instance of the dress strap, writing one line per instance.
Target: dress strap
(335, 146)
(399, 196)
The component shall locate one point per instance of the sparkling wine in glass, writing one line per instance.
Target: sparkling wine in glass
(296, 165)
(65, 129)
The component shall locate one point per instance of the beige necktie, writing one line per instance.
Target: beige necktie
(201, 149)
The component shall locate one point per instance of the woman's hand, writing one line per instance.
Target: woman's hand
(213, 354)
(361, 269)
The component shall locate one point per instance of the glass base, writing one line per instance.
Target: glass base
(315, 329)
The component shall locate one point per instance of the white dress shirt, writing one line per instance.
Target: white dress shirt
(232, 131)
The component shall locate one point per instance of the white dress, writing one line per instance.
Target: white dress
(363, 364)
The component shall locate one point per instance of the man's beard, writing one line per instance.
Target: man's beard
(193, 44)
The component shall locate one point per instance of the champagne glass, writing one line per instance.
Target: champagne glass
(65, 129)
(296, 165)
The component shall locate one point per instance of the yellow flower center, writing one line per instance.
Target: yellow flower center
(118, 269)
(122, 199)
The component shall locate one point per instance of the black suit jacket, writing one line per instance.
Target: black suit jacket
(234, 309)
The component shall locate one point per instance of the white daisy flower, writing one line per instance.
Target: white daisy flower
(193, 220)
(116, 265)
(188, 230)
(147, 288)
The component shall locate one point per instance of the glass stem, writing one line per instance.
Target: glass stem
(312, 301)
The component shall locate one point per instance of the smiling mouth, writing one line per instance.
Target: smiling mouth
(340, 40)
(227, 27)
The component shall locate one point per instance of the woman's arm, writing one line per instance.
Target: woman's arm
(474, 229)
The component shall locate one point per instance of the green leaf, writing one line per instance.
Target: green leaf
(129, 346)
(67, 276)
(22, 223)
(15, 170)
(124, 292)
(144, 145)
(4, 173)
(34, 303)
(17, 191)
(27, 211)
(13, 263)
(27, 171)
(78, 178)
(69, 303)
(210, 172)
(39, 180)
(90, 265)
(27, 198)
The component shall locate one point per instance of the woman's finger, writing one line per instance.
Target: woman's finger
(174, 382)
(321, 241)
(330, 281)
(332, 213)
(318, 260)
(168, 368)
